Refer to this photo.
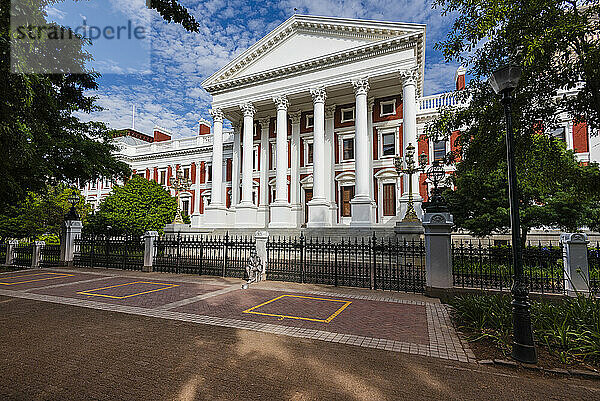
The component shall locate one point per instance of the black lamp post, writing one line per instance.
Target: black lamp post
(436, 175)
(504, 81)
(72, 214)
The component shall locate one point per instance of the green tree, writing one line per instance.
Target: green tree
(552, 42)
(40, 215)
(134, 208)
(41, 138)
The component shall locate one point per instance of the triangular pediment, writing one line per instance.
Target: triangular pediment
(303, 38)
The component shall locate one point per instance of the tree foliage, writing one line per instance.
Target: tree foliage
(41, 214)
(134, 208)
(550, 40)
(41, 138)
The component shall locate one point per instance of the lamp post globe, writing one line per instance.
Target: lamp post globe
(72, 213)
(503, 81)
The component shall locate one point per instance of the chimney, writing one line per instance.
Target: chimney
(204, 128)
(161, 135)
(459, 78)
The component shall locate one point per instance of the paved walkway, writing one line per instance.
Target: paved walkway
(396, 322)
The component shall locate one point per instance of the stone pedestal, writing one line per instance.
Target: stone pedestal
(281, 215)
(438, 248)
(11, 244)
(362, 212)
(261, 237)
(318, 214)
(577, 275)
(246, 215)
(215, 215)
(71, 231)
(409, 230)
(36, 257)
(150, 238)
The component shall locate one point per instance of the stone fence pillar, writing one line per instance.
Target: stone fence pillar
(10, 250)
(71, 231)
(36, 258)
(438, 248)
(575, 260)
(150, 238)
(261, 237)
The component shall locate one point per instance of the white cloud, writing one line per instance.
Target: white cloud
(55, 14)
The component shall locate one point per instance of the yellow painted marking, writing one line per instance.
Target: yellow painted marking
(329, 319)
(57, 275)
(167, 286)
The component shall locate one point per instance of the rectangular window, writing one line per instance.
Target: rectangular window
(273, 157)
(309, 153)
(163, 177)
(439, 150)
(310, 121)
(93, 184)
(208, 172)
(389, 144)
(347, 195)
(255, 159)
(389, 199)
(186, 172)
(559, 133)
(347, 115)
(185, 206)
(348, 149)
(387, 108)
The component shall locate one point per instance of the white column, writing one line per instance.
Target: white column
(409, 133)
(215, 214)
(318, 207)
(330, 160)
(246, 215)
(295, 170)
(217, 158)
(362, 211)
(263, 208)
(280, 209)
(235, 165)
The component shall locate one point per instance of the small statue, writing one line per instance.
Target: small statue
(254, 268)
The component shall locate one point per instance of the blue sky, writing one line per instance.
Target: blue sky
(169, 94)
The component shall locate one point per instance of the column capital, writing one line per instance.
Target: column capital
(318, 94)
(281, 102)
(237, 126)
(330, 111)
(295, 116)
(248, 109)
(361, 86)
(409, 76)
(216, 114)
(264, 123)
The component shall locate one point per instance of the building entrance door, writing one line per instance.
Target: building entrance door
(308, 193)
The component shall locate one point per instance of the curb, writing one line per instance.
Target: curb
(557, 371)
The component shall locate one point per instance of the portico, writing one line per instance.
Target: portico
(303, 103)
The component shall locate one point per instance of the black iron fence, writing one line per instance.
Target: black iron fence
(225, 256)
(111, 252)
(50, 255)
(480, 264)
(388, 264)
(2, 253)
(23, 254)
(594, 267)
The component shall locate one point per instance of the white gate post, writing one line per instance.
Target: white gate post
(438, 248)
(71, 231)
(261, 238)
(575, 260)
(10, 250)
(150, 238)
(36, 258)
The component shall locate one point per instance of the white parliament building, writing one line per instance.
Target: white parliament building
(319, 108)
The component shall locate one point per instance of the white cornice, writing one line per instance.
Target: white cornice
(386, 32)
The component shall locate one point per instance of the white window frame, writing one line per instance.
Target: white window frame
(386, 131)
(342, 111)
(433, 149)
(313, 120)
(160, 171)
(208, 175)
(185, 197)
(306, 143)
(189, 169)
(273, 148)
(342, 137)
(94, 184)
(387, 102)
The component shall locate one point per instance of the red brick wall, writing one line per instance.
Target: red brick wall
(193, 172)
(160, 137)
(580, 138)
(460, 82)
(377, 109)
(337, 117)
(204, 130)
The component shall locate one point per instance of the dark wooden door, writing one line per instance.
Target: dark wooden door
(308, 193)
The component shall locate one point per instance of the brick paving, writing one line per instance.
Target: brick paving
(397, 322)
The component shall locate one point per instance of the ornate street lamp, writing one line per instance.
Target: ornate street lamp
(180, 183)
(504, 81)
(72, 214)
(436, 175)
(411, 168)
